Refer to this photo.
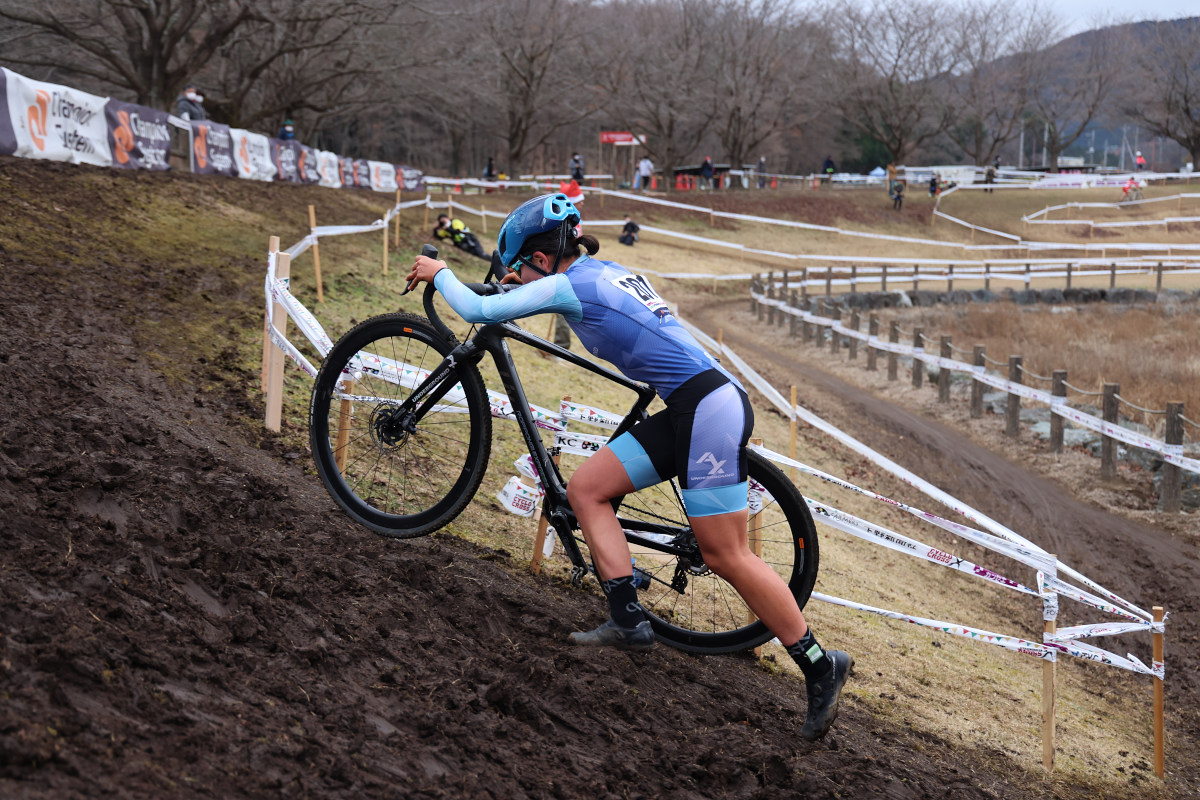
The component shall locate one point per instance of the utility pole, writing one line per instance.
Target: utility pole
(1021, 150)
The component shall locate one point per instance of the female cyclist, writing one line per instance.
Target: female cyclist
(701, 436)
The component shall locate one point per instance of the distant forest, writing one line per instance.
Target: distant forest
(444, 86)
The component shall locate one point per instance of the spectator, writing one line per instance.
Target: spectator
(827, 169)
(288, 131)
(629, 234)
(706, 173)
(190, 104)
(891, 176)
(645, 170)
(762, 172)
(456, 232)
(489, 172)
(577, 167)
(989, 177)
(1140, 160)
(897, 195)
(933, 186)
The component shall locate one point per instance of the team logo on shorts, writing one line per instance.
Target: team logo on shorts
(709, 458)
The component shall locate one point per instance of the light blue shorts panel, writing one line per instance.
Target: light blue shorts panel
(717, 500)
(635, 461)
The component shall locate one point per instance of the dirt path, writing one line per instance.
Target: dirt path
(1137, 561)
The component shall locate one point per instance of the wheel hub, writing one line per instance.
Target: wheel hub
(390, 426)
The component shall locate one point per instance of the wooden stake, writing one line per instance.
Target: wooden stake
(272, 247)
(425, 223)
(385, 247)
(1048, 699)
(345, 417)
(316, 248)
(283, 271)
(1159, 733)
(396, 223)
(539, 541)
(754, 535)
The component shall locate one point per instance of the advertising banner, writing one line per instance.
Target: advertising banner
(383, 176)
(362, 173)
(307, 164)
(8, 140)
(346, 171)
(212, 149)
(328, 165)
(287, 160)
(54, 122)
(139, 137)
(410, 179)
(252, 153)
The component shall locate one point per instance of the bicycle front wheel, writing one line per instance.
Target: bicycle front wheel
(399, 475)
(690, 606)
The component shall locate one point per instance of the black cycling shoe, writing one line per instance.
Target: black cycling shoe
(610, 634)
(823, 696)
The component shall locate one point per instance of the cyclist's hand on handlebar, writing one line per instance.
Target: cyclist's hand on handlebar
(512, 277)
(423, 269)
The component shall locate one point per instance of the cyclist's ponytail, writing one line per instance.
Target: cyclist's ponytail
(589, 243)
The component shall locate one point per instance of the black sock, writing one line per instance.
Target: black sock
(810, 657)
(622, 602)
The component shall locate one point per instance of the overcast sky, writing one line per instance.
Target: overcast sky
(1080, 15)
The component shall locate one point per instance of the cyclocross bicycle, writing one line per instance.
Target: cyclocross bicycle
(401, 432)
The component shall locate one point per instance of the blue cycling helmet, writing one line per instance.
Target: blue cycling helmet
(540, 214)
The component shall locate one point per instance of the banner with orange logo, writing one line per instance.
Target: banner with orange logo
(308, 164)
(54, 122)
(212, 149)
(383, 176)
(252, 153)
(139, 137)
(362, 173)
(410, 179)
(328, 166)
(346, 171)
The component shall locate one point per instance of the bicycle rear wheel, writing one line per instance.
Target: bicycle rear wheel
(401, 477)
(691, 607)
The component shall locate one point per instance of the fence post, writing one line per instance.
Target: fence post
(943, 373)
(1112, 276)
(916, 277)
(883, 279)
(1158, 277)
(316, 248)
(1058, 388)
(828, 281)
(950, 279)
(804, 283)
(396, 225)
(770, 296)
(872, 352)
(1108, 445)
(918, 366)
(385, 245)
(539, 540)
(1028, 275)
(855, 324)
(894, 338)
(1159, 738)
(272, 247)
(976, 385)
(835, 339)
(758, 308)
(753, 289)
(279, 315)
(819, 329)
(1068, 275)
(1012, 411)
(987, 277)
(792, 317)
(806, 327)
(1049, 626)
(1172, 478)
(854, 278)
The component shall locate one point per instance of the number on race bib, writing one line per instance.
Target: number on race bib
(639, 288)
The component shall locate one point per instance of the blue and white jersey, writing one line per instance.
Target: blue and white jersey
(616, 315)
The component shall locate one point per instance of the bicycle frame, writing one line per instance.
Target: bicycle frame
(492, 339)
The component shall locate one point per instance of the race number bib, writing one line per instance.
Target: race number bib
(639, 288)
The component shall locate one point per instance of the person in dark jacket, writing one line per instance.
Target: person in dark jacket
(456, 232)
(706, 173)
(190, 104)
(288, 131)
(629, 234)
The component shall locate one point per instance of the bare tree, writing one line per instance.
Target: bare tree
(995, 40)
(1070, 85)
(764, 54)
(1166, 98)
(147, 49)
(661, 82)
(890, 57)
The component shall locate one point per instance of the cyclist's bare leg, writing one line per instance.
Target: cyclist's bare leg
(726, 550)
(590, 490)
